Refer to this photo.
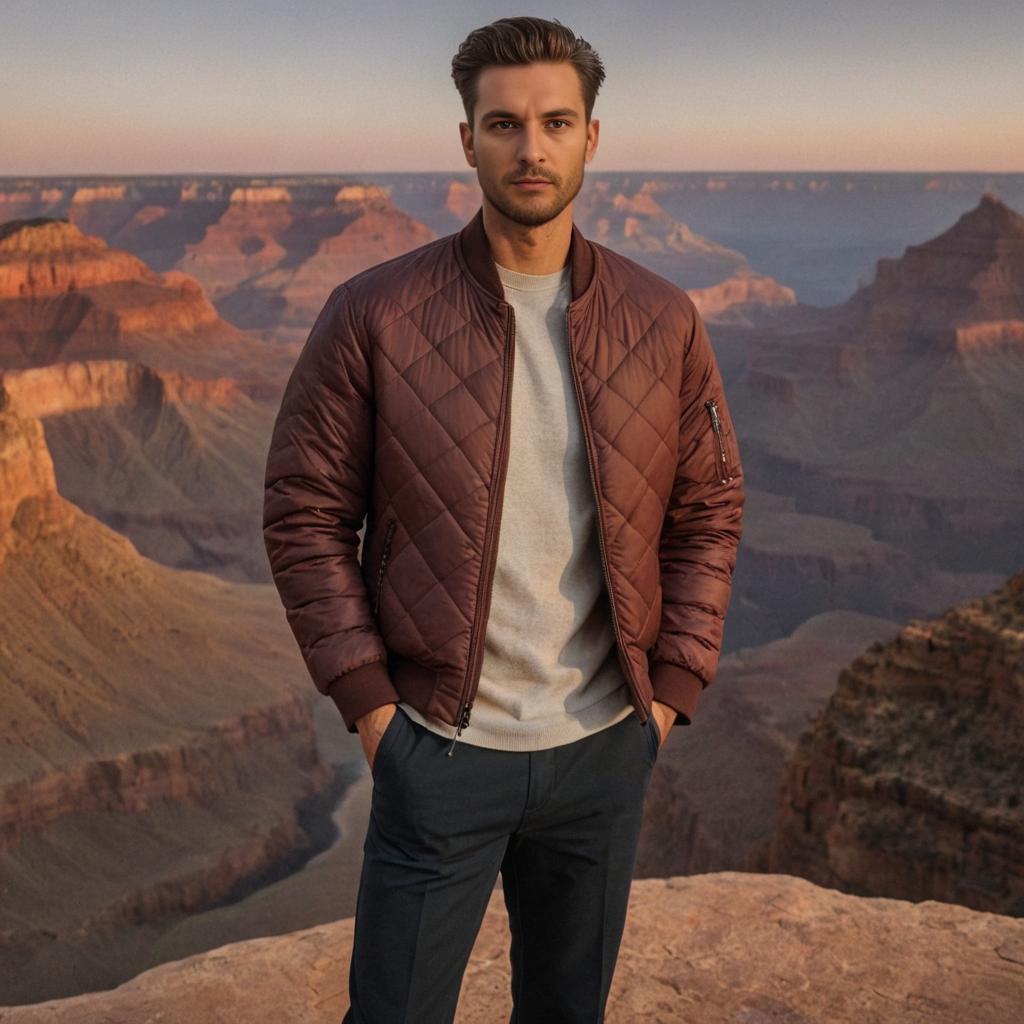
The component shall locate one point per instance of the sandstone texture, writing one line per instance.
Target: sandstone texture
(709, 949)
(910, 781)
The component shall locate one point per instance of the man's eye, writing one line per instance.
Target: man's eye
(554, 120)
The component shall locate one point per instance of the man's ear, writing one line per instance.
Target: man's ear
(466, 138)
(593, 131)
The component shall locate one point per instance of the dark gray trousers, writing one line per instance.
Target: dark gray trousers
(561, 825)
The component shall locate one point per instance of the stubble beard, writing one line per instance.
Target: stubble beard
(531, 210)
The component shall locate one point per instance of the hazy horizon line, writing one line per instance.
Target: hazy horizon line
(471, 173)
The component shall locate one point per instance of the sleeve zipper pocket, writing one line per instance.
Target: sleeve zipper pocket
(716, 425)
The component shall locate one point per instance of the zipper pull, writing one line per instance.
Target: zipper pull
(713, 410)
(464, 721)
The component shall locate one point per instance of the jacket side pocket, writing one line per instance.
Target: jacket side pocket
(389, 533)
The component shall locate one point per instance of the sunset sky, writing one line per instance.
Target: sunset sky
(157, 88)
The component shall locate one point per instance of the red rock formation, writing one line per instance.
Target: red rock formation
(741, 298)
(463, 199)
(18, 202)
(297, 292)
(30, 507)
(274, 254)
(102, 209)
(243, 242)
(73, 297)
(798, 564)
(637, 225)
(63, 388)
(42, 257)
(910, 781)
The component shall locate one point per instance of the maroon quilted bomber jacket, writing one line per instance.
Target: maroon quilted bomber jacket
(398, 406)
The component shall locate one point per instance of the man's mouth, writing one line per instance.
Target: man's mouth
(531, 183)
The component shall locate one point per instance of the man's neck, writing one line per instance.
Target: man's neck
(543, 249)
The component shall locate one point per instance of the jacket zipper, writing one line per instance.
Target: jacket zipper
(490, 555)
(716, 426)
(626, 667)
(383, 562)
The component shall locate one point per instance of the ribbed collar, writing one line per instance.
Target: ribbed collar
(475, 250)
(520, 282)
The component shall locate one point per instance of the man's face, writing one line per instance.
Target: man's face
(529, 123)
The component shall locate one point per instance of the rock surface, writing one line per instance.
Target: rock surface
(709, 949)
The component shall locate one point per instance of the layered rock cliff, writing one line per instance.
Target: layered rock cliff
(273, 256)
(711, 802)
(910, 781)
(173, 462)
(903, 409)
(157, 740)
(70, 296)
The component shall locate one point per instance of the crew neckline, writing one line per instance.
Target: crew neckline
(521, 282)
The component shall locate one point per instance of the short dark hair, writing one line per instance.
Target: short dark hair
(524, 40)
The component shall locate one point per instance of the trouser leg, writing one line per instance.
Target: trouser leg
(568, 871)
(437, 833)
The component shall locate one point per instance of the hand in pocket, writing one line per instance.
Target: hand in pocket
(372, 728)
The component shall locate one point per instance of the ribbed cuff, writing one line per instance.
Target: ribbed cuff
(361, 690)
(677, 687)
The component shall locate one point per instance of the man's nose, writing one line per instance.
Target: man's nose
(531, 150)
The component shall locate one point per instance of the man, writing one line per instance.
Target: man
(537, 428)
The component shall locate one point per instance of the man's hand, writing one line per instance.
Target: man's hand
(371, 727)
(664, 716)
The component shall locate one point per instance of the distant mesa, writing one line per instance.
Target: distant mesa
(462, 200)
(741, 298)
(268, 250)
